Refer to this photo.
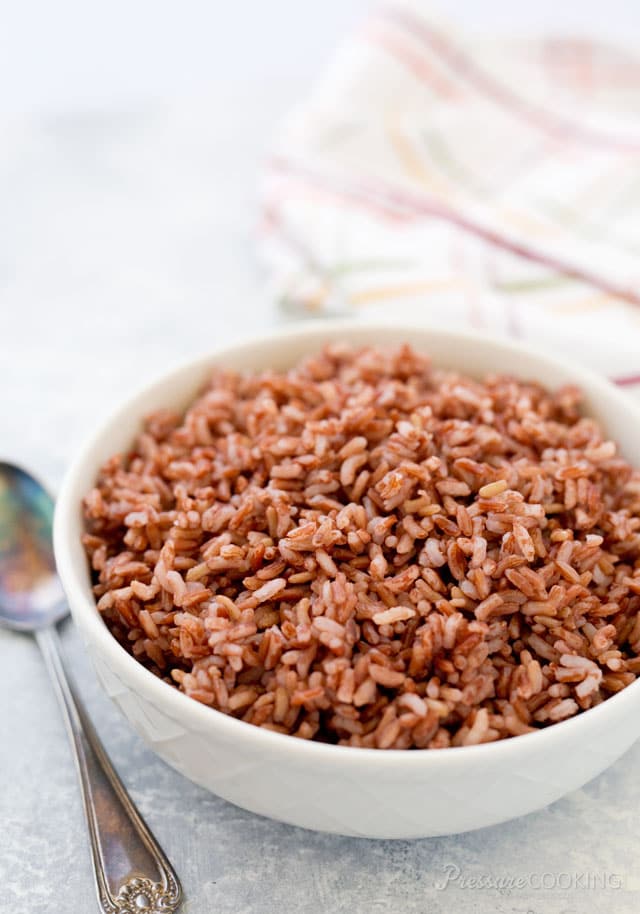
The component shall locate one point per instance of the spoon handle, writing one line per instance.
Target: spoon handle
(132, 873)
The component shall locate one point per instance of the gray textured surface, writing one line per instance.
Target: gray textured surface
(124, 246)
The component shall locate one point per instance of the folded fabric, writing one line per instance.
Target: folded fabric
(491, 182)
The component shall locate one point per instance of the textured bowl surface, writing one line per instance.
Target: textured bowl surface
(363, 792)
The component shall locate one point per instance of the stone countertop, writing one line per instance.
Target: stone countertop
(125, 246)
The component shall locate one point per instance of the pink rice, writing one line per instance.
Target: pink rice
(366, 551)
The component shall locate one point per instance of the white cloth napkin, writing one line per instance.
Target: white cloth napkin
(492, 182)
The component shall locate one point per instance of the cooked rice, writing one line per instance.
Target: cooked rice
(367, 551)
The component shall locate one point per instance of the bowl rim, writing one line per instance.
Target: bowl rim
(178, 706)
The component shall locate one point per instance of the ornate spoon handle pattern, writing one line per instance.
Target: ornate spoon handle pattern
(132, 873)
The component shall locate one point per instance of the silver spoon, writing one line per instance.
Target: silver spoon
(132, 873)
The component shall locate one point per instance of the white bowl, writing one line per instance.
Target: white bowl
(365, 792)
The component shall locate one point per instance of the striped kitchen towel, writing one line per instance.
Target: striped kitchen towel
(489, 181)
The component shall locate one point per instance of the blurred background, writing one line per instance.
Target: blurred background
(74, 56)
(132, 136)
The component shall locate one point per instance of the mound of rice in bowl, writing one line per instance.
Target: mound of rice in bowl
(368, 551)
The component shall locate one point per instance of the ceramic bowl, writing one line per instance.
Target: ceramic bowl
(364, 792)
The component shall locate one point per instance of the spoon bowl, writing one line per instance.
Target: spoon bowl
(31, 595)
